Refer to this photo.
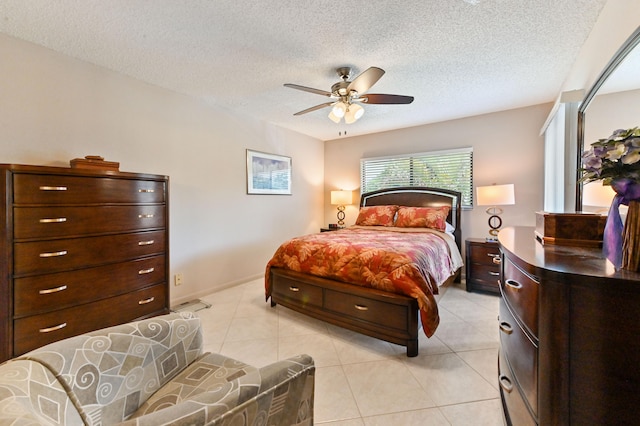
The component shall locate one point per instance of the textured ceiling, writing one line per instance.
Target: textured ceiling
(456, 57)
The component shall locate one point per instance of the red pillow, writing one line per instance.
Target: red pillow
(377, 215)
(423, 217)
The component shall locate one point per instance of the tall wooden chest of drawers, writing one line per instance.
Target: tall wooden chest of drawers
(80, 250)
(569, 347)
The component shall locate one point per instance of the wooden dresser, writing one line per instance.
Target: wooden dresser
(569, 335)
(80, 250)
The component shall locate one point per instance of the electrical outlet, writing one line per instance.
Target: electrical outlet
(178, 279)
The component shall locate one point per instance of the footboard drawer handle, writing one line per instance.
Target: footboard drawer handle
(293, 288)
(145, 216)
(54, 328)
(145, 301)
(513, 284)
(505, 383)
(496, 260)
(146, 243)
(53, 220)
(494, 274)
(53, 290)
(361, 307)
(54, 254)
(146, 271)
(506, 328)
(146, 190)
(53, 188)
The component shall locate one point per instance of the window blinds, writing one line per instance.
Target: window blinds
(448, 169)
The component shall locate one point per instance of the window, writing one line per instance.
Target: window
(450, 169)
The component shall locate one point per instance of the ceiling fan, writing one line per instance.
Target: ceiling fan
(348, 95)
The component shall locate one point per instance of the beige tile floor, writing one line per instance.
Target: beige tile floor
(361, 381)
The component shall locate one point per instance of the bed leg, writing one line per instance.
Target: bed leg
(272, 303)
(412, 348)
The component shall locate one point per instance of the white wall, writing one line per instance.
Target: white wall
(506, 145)
(54, 108)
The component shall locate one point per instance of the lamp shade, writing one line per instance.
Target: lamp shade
(595, 194)
(496, 195)
(340, 198)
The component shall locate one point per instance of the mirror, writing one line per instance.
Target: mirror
(613, 102)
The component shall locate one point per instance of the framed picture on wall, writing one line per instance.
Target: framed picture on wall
(268, 173)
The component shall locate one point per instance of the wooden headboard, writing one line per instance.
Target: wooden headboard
(418, 196)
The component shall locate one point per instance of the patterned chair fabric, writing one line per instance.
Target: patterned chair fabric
(151, 372)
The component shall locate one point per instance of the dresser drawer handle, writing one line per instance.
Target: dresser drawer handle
(494, 274)
(53, 220)
(145, 216)
(53, 290)
(146, 243)
(506, 328)
(505, 383)
(293, 288)
(53, 188)
(513, 284)
(493, 255)
(496, 260)
(146, 271)
(146, 190)
(54, 328)
(145, 301)
(54, 254)
(361, 307)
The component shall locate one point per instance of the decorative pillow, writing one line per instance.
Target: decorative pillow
(423, 217)
(377, 215)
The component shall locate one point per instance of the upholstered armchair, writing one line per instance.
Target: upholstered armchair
(151, 372)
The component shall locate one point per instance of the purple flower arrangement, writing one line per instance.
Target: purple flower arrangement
(613, 158)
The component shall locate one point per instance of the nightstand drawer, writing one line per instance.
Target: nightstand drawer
(485, 273)
(484, 254)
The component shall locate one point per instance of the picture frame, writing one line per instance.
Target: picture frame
(268, 173)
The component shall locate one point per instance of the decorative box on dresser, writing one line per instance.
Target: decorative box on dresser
(80, 249)
(482, 267)
(569, 346)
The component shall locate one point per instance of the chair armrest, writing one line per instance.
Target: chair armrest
(281, 393)
(30, 394)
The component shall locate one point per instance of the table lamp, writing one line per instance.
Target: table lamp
(340, 198)
(493, 196)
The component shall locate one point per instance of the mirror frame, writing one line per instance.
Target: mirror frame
(620, 55)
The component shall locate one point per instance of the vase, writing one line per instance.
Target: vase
(631, 238)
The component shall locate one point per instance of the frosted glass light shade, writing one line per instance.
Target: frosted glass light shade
(334, 117)
(339, 109)
(354, 112)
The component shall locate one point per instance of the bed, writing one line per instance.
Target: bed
(351, 301)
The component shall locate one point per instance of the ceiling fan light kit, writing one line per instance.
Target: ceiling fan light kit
(348, 95)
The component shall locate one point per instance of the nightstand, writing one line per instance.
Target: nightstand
(328, 229)
(481, 270)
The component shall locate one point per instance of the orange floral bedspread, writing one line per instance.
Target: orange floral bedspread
(411, 263)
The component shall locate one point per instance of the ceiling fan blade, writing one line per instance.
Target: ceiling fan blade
(313, 108)
(366, 79)
(308, 89)
(386, 99)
